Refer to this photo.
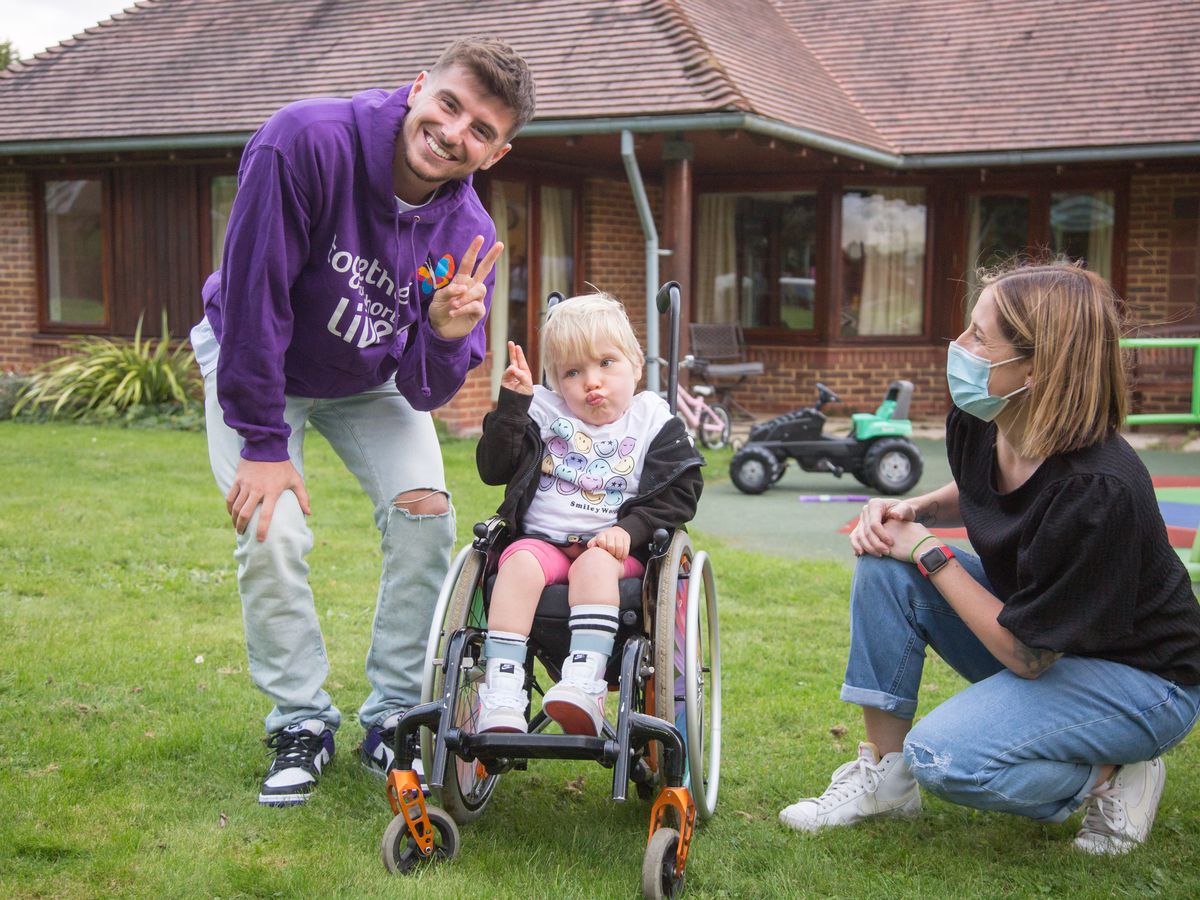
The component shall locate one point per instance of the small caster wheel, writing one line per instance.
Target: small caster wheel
(399, 849)
(658, 868)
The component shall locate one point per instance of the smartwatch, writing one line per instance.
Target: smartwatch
(934, 559)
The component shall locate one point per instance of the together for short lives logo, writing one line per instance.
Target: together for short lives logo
(364, 320)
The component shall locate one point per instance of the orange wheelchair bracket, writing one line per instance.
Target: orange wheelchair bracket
(680, 800)
(404, 793)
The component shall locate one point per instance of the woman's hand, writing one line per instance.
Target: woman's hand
(905, 537)
(870, 534)
(517, 376)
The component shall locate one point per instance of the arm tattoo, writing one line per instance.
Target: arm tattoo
(1035, 662)
(930, 515)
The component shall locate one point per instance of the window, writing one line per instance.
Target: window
(883, 262)
(1003, 226)
(74, 252)
(756, 260)
(528, 215)
(221, 191)
(1081, 227)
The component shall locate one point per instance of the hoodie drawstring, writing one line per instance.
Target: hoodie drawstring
(412, 247)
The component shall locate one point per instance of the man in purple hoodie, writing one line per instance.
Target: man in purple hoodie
(351, 297)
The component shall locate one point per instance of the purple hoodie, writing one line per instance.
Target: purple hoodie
(324, 287)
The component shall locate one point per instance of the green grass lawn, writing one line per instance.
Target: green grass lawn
(130, 753)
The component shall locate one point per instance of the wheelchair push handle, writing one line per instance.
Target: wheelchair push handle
(668, 300)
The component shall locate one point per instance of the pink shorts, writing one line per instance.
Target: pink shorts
(556, 561)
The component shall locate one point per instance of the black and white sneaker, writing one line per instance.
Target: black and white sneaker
(376, 753)
(301, 752)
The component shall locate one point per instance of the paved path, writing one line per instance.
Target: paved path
(776, 522)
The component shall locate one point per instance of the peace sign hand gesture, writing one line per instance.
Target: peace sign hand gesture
(517, 376)
(458, 307)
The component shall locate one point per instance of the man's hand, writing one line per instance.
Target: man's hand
(261, 483)
(458, 307)
(870, 535)
(517, 376)
(615, 540)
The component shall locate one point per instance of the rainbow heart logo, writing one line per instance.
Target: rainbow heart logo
(442, 272)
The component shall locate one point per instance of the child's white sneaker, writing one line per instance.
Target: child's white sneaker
(577, 701)
(1119, 812)
(864, 787)
(502, 700)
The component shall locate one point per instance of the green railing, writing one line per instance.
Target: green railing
(1188, 418)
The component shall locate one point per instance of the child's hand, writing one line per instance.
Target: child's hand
(615, 540)
(517, 376)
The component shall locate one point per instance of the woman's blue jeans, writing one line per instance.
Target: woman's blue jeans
(1033, 747)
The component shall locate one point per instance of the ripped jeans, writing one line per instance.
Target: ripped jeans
(391, 449)
(1028, 747)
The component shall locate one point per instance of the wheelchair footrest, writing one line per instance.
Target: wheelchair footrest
(533, 746)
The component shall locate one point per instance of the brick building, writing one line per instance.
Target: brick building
(827, 176)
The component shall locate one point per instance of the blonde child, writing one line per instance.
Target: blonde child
(592, 468)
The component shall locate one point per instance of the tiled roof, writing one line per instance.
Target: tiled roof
(204, 66)
(910, 76)
(960, 75)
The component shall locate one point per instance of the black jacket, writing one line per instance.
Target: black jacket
(510, 452)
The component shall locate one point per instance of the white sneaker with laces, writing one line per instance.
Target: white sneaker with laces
(502, 700)
(1118, 814)
(577, 702)
(864, 787)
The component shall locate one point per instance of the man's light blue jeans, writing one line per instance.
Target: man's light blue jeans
(1029, 747)
(390, 448)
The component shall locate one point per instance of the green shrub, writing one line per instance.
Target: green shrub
(11, 386)
(112, 378)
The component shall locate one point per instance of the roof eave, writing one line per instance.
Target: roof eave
(166, 142)
(714, 121)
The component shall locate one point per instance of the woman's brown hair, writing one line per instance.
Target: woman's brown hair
(1068, 321)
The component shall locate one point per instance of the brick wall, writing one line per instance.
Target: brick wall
(859, 376)
(18, 278)
(1163, 281)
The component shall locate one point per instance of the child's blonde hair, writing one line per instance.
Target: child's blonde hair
(574, 327)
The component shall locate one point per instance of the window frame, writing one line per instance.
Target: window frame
(1038, 186)
(534, 180)
(46, 325)
(204, 182)
(827, 293)
(869, 183)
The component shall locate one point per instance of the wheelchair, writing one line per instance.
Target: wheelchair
(666, 668)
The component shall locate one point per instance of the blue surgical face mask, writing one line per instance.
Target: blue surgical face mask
(968, 376)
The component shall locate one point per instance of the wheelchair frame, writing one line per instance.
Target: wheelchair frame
(662, 688)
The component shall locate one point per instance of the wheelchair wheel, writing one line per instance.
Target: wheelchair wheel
(399, 848)
(466, 787)
(658, 866)
(702, 686)
(687, 664)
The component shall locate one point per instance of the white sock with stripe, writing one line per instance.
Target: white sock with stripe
(593, 632)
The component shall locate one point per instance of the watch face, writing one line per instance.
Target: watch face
(934, 559)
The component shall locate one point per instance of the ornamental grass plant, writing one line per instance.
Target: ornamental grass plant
(107, 378)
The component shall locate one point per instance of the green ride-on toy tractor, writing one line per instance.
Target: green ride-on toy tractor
(878, 451)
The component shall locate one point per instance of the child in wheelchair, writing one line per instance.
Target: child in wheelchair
(592, 470)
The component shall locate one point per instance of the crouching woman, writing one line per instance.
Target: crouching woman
(1075, 623)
